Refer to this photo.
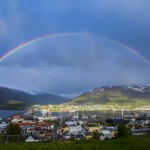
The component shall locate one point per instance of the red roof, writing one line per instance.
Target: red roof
(17, 116)
(36, 124)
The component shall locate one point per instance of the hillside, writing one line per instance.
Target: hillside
(12, 96)
(116, 95)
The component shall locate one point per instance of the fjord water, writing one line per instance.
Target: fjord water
(7, 113)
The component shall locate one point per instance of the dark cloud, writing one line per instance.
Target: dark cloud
(73, 64)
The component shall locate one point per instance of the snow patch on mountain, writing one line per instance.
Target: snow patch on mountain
(34, 92)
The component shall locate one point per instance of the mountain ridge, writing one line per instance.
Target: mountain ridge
(116, 95)
(10, 96)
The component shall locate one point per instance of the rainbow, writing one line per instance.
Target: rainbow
(19, 47)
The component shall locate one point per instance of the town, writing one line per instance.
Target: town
(90, 107)
(37, 123)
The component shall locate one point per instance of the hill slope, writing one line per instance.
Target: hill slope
(13, 96)
(116, 95)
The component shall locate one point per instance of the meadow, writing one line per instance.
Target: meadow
(126, 143)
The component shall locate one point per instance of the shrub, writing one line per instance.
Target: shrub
(122, 131)
(13, 129)
(96, 135)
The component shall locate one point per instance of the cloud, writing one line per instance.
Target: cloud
(132, 9)
(72, 64)
(61, 80)
(72, 50)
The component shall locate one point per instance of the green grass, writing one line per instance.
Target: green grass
(130, 143)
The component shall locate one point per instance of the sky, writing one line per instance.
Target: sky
(68, 47)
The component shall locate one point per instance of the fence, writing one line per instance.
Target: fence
(22, 138)
(12, 138)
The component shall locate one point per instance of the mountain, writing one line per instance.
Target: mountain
(108, 95)
(116, 95)
(13, 96)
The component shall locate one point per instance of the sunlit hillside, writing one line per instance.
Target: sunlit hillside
(116, 95)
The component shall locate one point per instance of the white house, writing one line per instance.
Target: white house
(71, 123)
(31, 139)
(73, 129)
(17, 119)
(105, 134)
(3, 125)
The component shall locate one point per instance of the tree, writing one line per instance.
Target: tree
(122, 131)
(13, 129)
(96, 135)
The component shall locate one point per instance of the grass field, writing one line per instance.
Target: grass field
(129, 143)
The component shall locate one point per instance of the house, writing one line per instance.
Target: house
(71, 123)
(3, 125)
(143, 131)
(88, 135)
(112, 129)
(77, 135)
(29, 118)
(17, 118)
(105, 134)
(75, 129)
(31, 139)
(145, 118)
(92, 126)
(116, 121)
(47, 136)
(67, 136)
(131, 117)
(92, 129)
